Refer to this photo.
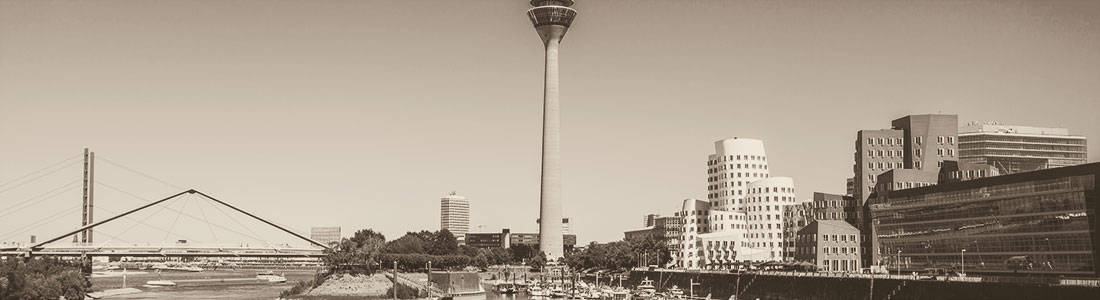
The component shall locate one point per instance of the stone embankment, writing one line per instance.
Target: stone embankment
(354, 286)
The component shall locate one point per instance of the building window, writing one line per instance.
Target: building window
(950, 152)
(939, 151)
(939, 139)
(951, 140)
(918, 140)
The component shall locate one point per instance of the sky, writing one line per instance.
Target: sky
(362, 114)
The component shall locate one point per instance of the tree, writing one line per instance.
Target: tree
(408, 244)
(445, 243)
(538, 261)
(522, 252)
(44, 278)
(358, 254)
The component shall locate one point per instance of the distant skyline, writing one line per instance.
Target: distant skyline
(362, 114)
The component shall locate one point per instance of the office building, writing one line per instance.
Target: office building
(736, 162)
(667, 228)
(835, 207)
(795, 216)
(564, 225)
(919, 142)
(454, 215)
(831, 245)
(507, 239)
(1037, 223)
(330, 236)
(1015, 148)
(551, 19)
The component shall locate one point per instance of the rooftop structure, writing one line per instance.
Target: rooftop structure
(1016, 148)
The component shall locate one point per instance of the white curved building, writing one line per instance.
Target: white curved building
(695, 215)
(736, 162)
(763, 207)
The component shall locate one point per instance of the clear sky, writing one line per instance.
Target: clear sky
(361, 114)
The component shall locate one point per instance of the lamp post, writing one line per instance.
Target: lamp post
(898, 258)
(429, 279)
(962, 259)
(691, 288)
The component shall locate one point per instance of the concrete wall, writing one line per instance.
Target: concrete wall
(721, 286)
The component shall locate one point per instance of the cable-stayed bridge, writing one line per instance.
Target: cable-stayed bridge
(145, 218)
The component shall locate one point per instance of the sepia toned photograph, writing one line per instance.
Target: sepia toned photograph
(550, 149)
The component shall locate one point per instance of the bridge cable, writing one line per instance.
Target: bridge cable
(173, 226)
(144, 200)
(43, 221)
(36, 178)
(40, 197)
(2, 184)
(242, 225)
(211, 227)
(143, 174)
(142, 222)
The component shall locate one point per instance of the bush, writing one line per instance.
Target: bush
(299, 288)
(44, 278)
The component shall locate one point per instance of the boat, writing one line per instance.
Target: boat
(675, 292)
(646, 288)
(506, 289)
(270, 277)
(535, 290)
(160, 283)
(557, 292)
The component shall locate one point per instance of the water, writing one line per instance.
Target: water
(256, 291)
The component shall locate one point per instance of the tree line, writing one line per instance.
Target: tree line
(368, 251)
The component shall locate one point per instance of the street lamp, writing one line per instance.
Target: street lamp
(898, 258)
(691, 288)
(962, 258)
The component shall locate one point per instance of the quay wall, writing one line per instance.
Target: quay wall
(777, 287)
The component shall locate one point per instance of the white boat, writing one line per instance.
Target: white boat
(675, 292)
(646, 288)
(535, 290)
(160, 283)
(270, 277)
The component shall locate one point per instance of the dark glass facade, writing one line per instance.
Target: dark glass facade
(1041, 222)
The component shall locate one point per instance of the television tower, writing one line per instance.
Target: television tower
(551, 19)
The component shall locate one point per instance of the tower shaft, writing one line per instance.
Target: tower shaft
(551, 241)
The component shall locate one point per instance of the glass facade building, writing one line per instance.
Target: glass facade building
(1035, 223)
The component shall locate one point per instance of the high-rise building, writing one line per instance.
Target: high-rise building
(330, 236)
(454, 215)
(551, 19)
(1015, 148)
(743, 217)
(920, 142)
(736, 162)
